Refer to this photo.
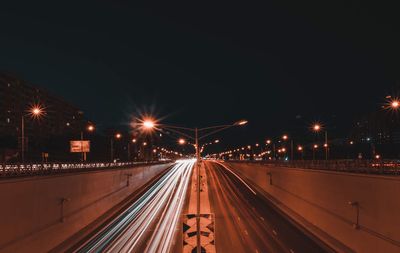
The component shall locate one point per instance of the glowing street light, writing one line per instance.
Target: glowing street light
(90, 128)
(182, 141)
(118, 136)
(36, 111)
(148, 124)
(285, 137)
(395, 104)
(316, 127)
(241, 123)
(134, 140)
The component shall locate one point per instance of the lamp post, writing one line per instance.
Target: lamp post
(150, 124)
(300, 149)
(89, 128)
(317, 128)
(36, 111)
(315, 146)
(285, 137)
(116, 136)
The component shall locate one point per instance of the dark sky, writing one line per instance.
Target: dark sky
(204, 64)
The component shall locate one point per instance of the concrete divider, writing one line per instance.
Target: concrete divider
(38, 213)
(360, 211)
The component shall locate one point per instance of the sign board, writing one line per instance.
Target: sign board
(79, 146)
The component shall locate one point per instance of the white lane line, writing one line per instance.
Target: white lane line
(262, 218)
(238, 178)
(245, 231)
(257, 251)
(239, 218)
(291, 251)
(275, 233)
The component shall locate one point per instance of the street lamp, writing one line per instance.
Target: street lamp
(268, 142)
(300, 149)
(317, 128)
(148, 124)
(89, 128)
(36, 112)
(395, 104)
(315, 146)
(285, 137)
(241, 123)
(115, 136)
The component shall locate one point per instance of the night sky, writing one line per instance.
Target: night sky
(281, 65)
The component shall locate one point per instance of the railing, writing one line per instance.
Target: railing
(387, 167)
(18, 170)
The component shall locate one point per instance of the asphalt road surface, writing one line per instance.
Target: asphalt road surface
(245, 220)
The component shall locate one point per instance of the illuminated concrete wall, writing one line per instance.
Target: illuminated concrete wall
(322, 199)
(32, 213)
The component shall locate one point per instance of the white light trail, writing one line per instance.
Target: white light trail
(165, 198)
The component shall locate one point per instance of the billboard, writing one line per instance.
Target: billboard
(79, 146)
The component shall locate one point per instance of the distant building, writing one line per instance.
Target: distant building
(17, 97)
(379, 127)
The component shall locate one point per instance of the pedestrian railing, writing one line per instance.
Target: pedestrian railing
(389, 167)
(16, 170)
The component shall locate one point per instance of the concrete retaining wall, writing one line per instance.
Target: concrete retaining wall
(322, 198)
(38, 213)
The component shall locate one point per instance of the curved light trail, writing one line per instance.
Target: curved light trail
(160, 206)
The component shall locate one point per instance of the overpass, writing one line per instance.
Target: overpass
(246, 207)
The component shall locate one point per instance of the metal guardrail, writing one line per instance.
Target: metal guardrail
(385, 167)
(18, 170)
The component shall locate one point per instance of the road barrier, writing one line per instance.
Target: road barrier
(386, 167)
(18, 170)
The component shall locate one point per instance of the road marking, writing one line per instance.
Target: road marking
(239, 218)
(262, 218)
(291, 251)
(245, 231)
(275, 233)
(238, 178)
(257, 251)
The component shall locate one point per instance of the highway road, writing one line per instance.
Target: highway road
(245, 220)
(149, 224)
